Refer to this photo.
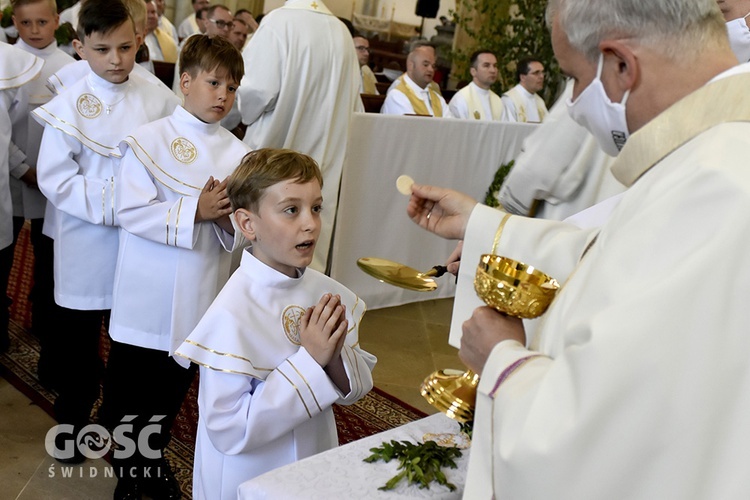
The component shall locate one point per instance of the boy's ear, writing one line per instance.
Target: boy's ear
(78, 46)
(245, 222)
(185, 81)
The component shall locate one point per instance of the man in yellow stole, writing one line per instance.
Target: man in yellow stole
(522, 103)
(636, 383)
(476, 101)
(414, 92)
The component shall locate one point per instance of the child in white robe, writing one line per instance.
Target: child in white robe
(76, 169)
(175, 253)
(279, 345)
(36, 22)
(16, 69)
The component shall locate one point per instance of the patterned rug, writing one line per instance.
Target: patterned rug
(374, 413)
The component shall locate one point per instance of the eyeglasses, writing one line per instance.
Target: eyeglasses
(362, 48)
(222, 25)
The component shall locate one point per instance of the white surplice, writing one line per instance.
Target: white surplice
(489, 104)
(68, 75)
(397, 103)
(300, 88)
(76, 170)
(640, 389)
(523, 106)
(561, 170)
(264, 401)
(169, 267)
(17, 69)
(28, 201)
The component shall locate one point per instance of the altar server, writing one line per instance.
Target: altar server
(36, 22)
(279, 345)
(76, 172)
(299, 92)
(17, 68)
(637, 385)
(176, 237)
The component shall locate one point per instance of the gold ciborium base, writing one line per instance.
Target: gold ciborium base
(452, 392)
(509, 287)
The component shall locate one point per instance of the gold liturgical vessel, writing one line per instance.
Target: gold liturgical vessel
(508, 286)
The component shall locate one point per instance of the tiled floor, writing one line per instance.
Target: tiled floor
(410, 341)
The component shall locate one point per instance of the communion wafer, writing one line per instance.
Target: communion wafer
(403, 184)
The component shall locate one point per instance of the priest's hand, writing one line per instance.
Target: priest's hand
(441, 211)
(213, 202)
(454, 259)
(483, 331)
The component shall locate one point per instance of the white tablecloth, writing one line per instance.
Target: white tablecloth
(340, 473)
(371, 219)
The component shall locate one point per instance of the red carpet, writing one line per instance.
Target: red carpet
(374, 413)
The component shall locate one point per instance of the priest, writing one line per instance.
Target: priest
(300, 88)
(636, 385)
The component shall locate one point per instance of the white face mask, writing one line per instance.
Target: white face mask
(739, 38)
(605, 119)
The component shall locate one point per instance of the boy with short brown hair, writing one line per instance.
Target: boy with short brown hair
(279, 345)
(177, 238)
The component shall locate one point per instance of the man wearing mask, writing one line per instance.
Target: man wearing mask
(633, 387)
(735, 14)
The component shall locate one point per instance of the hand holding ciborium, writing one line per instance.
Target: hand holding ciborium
(510, 287)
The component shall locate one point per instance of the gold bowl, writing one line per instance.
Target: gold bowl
(512, 287)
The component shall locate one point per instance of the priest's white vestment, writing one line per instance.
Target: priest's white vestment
(18, 68)
(264, 401)
(28, 202)
(638, 384)
(76, 171)
(300, 88)
(169, 267)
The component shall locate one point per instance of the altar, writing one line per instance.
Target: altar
(341, 472)
(371, 219)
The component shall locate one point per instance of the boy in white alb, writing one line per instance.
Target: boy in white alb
(175, 252)
(36, 22)
(16, 69)
(279, 345)
(76, 172)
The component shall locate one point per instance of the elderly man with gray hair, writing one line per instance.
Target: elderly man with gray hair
(636, 382)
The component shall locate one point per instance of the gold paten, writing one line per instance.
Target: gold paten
(399, 275)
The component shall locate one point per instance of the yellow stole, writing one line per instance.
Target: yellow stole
(520, 103)
(368, 81)
(418, 104)
(167, 45)
(476, 109)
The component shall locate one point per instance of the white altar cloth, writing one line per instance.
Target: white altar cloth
(341, 473)
(371, 219)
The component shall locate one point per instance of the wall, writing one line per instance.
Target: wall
(404, 10)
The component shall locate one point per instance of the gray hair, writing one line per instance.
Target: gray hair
(676, 28)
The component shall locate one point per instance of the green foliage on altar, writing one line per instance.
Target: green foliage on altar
(512, 29)
(490, 198)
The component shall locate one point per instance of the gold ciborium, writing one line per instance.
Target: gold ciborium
(509, 287)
